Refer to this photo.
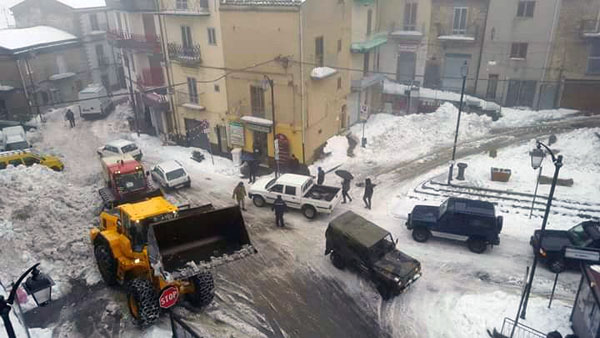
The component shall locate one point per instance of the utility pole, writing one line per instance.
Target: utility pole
(32, 84)
(135, 115)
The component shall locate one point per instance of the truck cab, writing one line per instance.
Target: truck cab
(125, 181)
(457, 218)
(298, 192)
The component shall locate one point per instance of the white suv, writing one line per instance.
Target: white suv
(170, 174)
(120, 147)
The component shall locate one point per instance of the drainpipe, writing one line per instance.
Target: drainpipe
(548, 50)
(303, 104)
(164, 41)
(487, 13)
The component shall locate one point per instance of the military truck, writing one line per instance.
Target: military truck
(354, 242)
(159, 252)
(125, 181)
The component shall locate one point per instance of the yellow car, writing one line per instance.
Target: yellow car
(26, 157)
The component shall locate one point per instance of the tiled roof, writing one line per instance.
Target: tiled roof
(262, 2)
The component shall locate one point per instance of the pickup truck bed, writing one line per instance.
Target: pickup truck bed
(321, 192)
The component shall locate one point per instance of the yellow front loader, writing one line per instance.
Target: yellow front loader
(160, 252)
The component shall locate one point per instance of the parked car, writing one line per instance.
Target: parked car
(94, 102)
(298, 192)
(120, 147)
(28, 158)
(457, 218)
(13, 138)
(171, 175)
(354, 242)
(552, 252)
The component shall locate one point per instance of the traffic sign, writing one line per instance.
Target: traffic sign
(582, 254)
(168, 297)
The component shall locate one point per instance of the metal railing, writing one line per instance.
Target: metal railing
(132, 5)
(185, 7)
(448, 30)
(145, 42)
(152, 77)
(521, 331)
(184, 97)
(184, 54)
(589, 28)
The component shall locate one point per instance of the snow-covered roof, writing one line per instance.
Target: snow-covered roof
(257, 120)
(34, 37)
(169, 166)
(78, 4)
(456, 38)
(119, 143)
(322, 72)
(292, 179)
(60, 76)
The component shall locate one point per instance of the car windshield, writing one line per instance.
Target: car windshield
(578, 235)
(270, 184)
(385, 245)
(130, 182)
(443, 208)
(129, 148)
(177, 173)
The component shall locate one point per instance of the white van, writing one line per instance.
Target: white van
(95, 102)
(13, 138)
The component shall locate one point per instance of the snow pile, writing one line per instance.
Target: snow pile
(336, 153)
(13, 39)
(44, 218)
(512, 117)
(322, 72)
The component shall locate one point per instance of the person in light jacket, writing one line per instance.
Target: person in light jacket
(239, 194)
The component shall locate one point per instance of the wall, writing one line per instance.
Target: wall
(42, 12)
(14, 100)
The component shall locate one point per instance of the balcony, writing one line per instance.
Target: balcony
(192, 102)
(589, 29)
(454, 35)
(185, 55)
(185, 7)
(132, 5)
(151, 77)
(140, 42)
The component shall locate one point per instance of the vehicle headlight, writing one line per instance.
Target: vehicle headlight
(396, 279)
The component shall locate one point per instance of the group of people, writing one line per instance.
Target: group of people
(279, 206)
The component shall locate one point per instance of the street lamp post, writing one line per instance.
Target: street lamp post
(38, 285)
(537, 156)
(269, 81)
(463, 71)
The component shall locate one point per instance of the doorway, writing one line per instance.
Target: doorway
(259, 143)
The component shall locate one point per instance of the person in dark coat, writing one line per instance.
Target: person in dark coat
(294, 164)
(70, 117)
(368, 193)
(252, 168)
(280, 208)
(320, 176)
(346, 189)
(239, 193)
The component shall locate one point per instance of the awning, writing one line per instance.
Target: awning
(257, 123)
(365, 47)
(367, 81)
(156, 100)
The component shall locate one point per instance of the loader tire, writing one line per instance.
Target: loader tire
(205, 290)
(107, 264)
(142, 302)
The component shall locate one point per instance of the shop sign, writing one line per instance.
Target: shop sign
(236, 134)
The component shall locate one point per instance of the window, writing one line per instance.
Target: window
(181, 4)
(257, 101)
(369, 21)
(212, 36)
(192, 90)
(339, 83)
(100, 55)
(217, 88)
(492, 86)
(593, 66)
(186, 37)
(525, 9)
(277, 188)
(339, 45)
(94, 22)
(319, 47)
(518, 50)
(30, 160)
(132, 62)
(204, 4)
(290, 190)
(410, 16)
(459, 25)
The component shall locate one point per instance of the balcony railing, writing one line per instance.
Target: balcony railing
(143, 42)
(449, 33)
(132, 5)
(184, 54)
(590, 29)
(190, 101)
(151, 77)
(185, 7)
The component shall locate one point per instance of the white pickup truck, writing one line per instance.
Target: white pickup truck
(298, 192)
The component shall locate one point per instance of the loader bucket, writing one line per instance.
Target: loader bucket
(197, 241)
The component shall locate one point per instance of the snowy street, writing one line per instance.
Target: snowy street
(290, 289)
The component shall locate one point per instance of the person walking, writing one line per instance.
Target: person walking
(69, 116)
(239, 193)
(294, 164)
(368, 193)
(320, 176)
(346, 189)
(280, 208)
(252, 168)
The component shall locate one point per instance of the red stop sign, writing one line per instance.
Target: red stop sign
(168, 297)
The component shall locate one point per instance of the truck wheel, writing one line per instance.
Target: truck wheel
(55, 168)
(337, 260)
(259, 201)
(557, 265)
(142, 302)
(205, 290)
(476, 245)
(384, 291)
(107, 264)
(309, 211)
(421, 235)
